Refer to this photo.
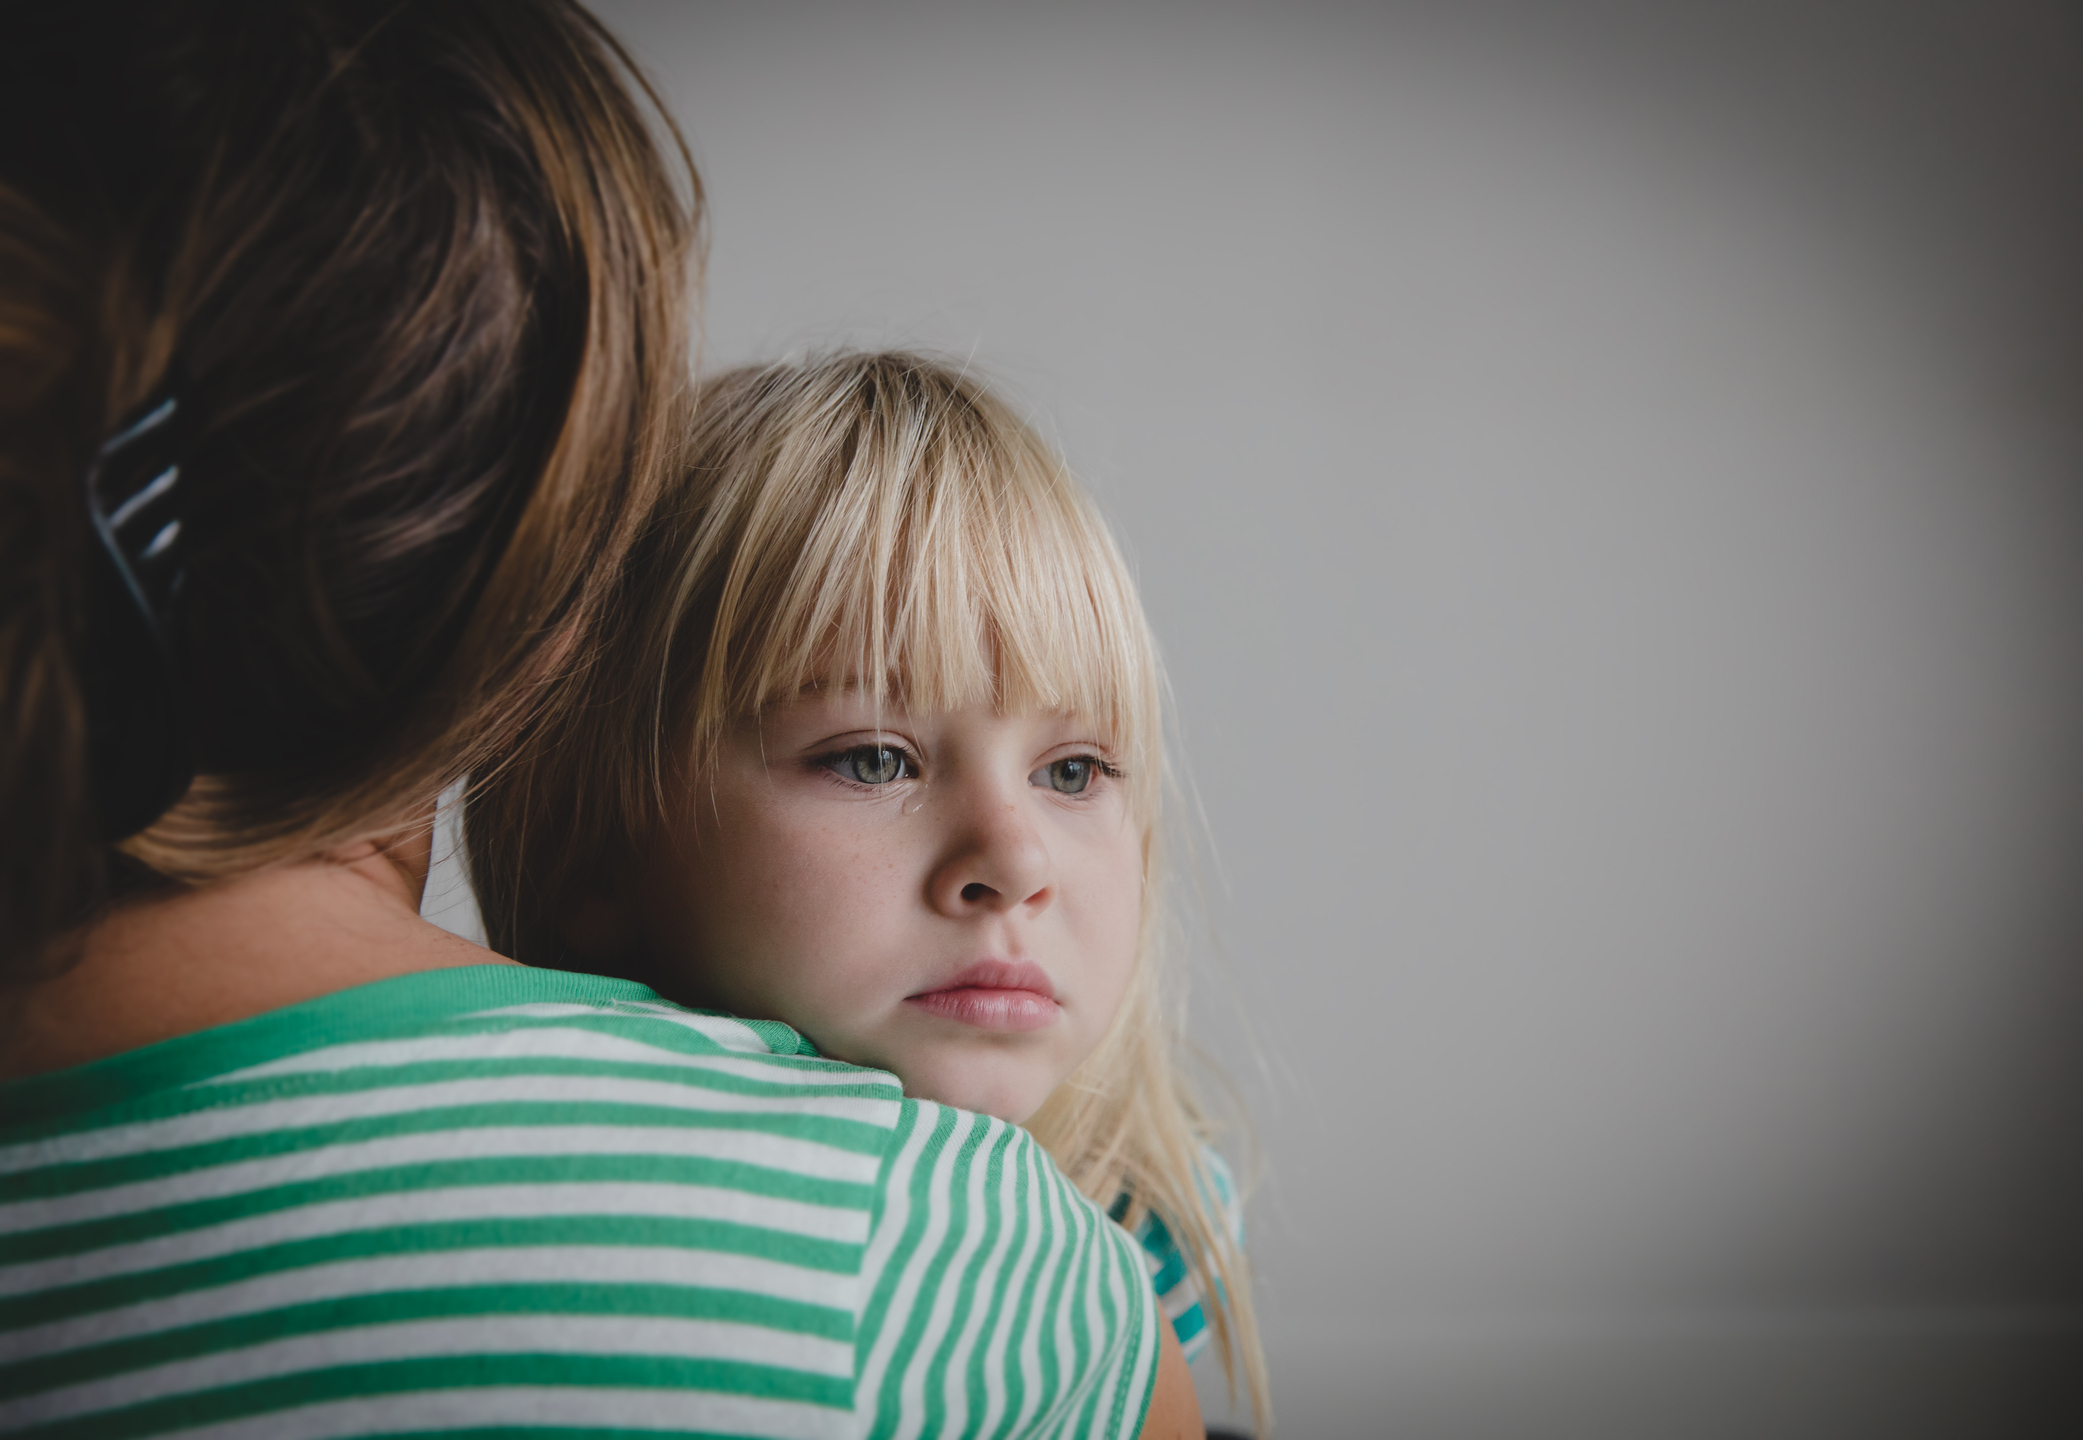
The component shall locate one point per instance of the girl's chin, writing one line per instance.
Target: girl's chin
(1011, 1098)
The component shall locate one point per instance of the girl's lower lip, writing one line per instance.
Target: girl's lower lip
(990, 1009)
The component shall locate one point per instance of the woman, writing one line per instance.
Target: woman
(340, 350)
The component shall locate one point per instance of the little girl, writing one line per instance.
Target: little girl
(876, 752)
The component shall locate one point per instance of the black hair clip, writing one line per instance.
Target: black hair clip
(136, 701)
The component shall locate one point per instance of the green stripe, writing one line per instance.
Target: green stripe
(268, 1144)
(665, 1032)
(1104, 1360)
(935, 1273)
(982, 1143)
(856, 1137)
(354, 1079)
(451, 1372)
(556, 1432)
(404, 1006)
(1056, 1203)
(827, 1256)
(1040, 1234)
(1030, 1238)
(71, 1367)
(1061, 1374)
(534, 1170)
(881, 1306)
(974, 1310)
(1111, 1260)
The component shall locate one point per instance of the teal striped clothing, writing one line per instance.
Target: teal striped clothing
(1178, 1291)
(503, 1201)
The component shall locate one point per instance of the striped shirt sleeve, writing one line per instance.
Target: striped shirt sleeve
(1178, 1292)
(1000, 1301)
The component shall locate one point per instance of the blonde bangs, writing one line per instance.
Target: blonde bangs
(893, 526)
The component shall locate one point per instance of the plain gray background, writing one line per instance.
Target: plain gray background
(1608, 483)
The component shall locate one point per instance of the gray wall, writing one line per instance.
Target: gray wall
(1606, 481)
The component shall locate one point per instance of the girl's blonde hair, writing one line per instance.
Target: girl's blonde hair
(881, 520)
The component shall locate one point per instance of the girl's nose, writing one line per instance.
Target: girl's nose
(996, 863)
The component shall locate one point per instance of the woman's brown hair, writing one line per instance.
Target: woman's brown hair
(418, 273)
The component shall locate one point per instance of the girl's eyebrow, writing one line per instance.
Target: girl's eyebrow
(891, 705)
(821, 687)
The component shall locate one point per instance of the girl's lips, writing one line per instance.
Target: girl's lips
(994, 995)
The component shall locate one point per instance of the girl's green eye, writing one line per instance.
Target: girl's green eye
(874, 765)
(1068, 777)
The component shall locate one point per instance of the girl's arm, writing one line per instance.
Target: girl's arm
(1175, 1411)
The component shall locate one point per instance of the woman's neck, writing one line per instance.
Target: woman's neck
(169, 964)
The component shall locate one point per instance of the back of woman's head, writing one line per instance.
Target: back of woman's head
(415, 274)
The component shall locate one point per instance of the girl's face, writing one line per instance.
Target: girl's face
(953, 896)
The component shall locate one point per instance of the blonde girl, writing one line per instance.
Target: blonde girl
(875, 749)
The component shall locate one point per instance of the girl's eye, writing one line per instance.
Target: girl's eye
(1068, 776)
(873, 765)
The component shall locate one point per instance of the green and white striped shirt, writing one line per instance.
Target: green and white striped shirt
(507, 1201)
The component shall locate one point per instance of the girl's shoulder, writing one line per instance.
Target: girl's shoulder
(1172, 1275)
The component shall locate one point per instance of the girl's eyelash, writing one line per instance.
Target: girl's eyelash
(829, 763)
(908, 764)
(1100, 763)
(1101, 766)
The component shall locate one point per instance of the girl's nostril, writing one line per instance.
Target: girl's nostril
(975, 891)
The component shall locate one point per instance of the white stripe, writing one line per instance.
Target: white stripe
(144, 497)
(440, 1270)
(422, 1339)
(1134, 1344)
(556, 1042)
(150, 420)
(982, 1209)
(1047, 1262)
(1141, 1351)
(1015, 1251)
(1060, 1346)
(882, 1244)
(1024, 1163)
(1097, 1366)
(1145, 1359)
(1103, 1261)
(676, 1412)
(940, 1200)
(260, 1117)
(375, 1212)
(492, 1142)
(168, 533)
(1084, 1273)
(1096, 1373)
(730, 1034)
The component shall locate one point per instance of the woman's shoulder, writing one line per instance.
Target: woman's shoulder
(481, 1024)
(581, 1184)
